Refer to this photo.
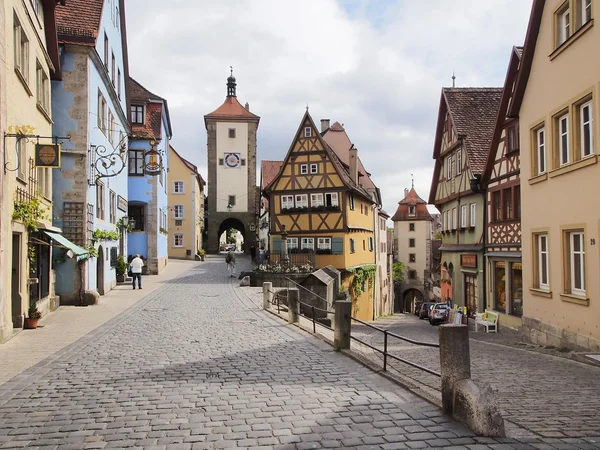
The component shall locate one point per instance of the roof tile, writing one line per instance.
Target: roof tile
(474, 112)
(78, 21)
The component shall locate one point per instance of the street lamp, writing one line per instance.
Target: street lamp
(229, 207)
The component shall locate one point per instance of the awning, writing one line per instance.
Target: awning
(78, 252)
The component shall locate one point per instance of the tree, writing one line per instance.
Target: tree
(230, 238)
(398, 268)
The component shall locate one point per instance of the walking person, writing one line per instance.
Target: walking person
(135, 266)
(230, 260)
(253, 254)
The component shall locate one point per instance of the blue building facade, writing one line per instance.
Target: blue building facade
(147, 201)
(89, 104)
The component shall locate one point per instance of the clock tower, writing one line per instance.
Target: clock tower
(231, 139)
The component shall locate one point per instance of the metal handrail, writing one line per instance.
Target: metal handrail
(387, 354)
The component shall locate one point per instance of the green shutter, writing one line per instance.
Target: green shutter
(337, 246)
(276, 245)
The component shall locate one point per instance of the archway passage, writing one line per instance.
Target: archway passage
(411, 298)
(236, 224)
(100, 271)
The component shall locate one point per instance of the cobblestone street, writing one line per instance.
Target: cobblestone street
(197, 365)
(539, 393)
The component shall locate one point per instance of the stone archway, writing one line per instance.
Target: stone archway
(410, 299)
(232, 222)
(100, 271)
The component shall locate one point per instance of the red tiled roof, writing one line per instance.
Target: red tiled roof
(474, 112)
(231, 108)
(336, 127)
(412, 199)
(78, 21)
(268, 172)
(337, 138)
(152, 126)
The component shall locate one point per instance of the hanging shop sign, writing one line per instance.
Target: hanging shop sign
(47, 155)
(468, 260)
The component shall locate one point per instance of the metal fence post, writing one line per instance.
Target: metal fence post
(385, 349)
(293, 308)
(341, 329)
(313, 318)
(455, 360)
(267, 294)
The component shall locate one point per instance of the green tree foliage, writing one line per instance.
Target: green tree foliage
(398, 268)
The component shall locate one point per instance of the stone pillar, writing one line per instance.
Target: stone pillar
(455, 360)
(267, 294)
(293, 306)
(342, 322)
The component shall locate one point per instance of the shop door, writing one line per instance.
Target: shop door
(470, 289)
(17, 307)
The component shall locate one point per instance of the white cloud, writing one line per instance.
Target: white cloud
(377, 67)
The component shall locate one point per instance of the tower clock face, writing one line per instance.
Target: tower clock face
(232, 159)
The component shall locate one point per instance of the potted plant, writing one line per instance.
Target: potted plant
(34, 316)
(201, 254)
(121, 269)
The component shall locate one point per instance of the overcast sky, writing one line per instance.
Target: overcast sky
(375, 66)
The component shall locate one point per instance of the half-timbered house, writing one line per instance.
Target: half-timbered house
(338, 140)
(466, 121)
(319, 203)
(504, 285)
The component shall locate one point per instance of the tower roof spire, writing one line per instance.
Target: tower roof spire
(231, 84)
(453, 79)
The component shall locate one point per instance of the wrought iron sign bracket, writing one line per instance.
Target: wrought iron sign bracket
(107, 163)
(28, 138)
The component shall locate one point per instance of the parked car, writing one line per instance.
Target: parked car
(418, 308)
(424, 311)
(439, 313)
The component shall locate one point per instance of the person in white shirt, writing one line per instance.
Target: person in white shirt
(136, 265)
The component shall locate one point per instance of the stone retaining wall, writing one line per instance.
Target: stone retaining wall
(540, 333)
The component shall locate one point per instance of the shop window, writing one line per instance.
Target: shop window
(138, 214)
(500, 286)
(516, 288)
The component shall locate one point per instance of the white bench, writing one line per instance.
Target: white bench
(490, 323)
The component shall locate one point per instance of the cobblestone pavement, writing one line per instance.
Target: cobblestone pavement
(197, 365)
(541, 394)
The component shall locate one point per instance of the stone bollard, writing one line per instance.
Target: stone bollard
(342, 322)
(455, 360)
(267, 294)
(293, 306)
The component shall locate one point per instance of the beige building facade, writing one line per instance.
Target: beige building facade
(560, 83)
(29, 57)
(185, 192)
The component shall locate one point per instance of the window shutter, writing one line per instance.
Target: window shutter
(337, 246)
(276, 245)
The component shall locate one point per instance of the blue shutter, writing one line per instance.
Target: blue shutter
(337, 246)
(276, 245)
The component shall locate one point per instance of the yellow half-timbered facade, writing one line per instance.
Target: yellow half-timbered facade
(317, 200)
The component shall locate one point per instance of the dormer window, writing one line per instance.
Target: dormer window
(137, 114)
(411, 210)
(307, 132)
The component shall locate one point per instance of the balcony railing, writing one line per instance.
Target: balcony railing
(299, 258)
(311, 209)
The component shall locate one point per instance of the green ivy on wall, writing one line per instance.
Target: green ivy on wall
(30, 212)
(362, 276)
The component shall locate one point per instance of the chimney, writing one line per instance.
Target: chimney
(324, 124)
(247, 106)
(405, 192)
(353, 163)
